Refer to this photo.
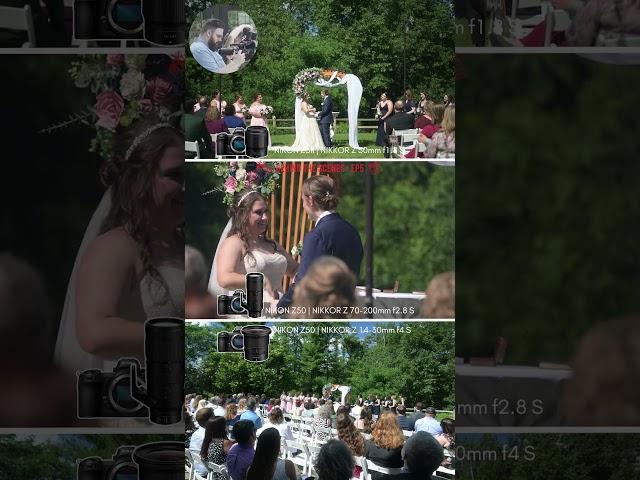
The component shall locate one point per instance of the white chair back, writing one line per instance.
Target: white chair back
(215, 468)
(21, 19)
(192, 147)
(188, 464)
(314, 451)
(298, 453)
(373, 467)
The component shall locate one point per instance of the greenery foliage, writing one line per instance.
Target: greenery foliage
(417, 362)
(365, 38)
(547, 201)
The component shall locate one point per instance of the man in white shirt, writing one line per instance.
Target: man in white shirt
(428, 423)
(205, 49)
(203, 415)
(218, 407)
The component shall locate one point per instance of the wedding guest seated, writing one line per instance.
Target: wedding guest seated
(276, 420)
(231, 415)
(428, 423)
(385, 446)
(198, 302)
(400, 120)
(418, 413)
(601, 391)
(218, 406)
(327, 283)
(216, 444)
(357, 409)
(404, 421)
(241, 454)
(349, 434)
(322, 419)
(422, 456)
(266, 464)
(434, 113)
(443, 142)
(203, 415)
(195, 130)
(365, 422)
(308, 410)
(203, 105)
(213, 120)
(426, 117)
(440, 296)
(35, 391)
(250, 413)
(335, 461)
(230, 119)
(447, 438)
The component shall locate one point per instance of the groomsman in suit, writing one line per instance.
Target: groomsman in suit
(332, 234)
(195, 130)
(325, 117)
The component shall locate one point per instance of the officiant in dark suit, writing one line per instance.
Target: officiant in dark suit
(325, 117)
(332, 234)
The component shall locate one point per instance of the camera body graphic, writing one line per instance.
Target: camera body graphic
(250, 340)
(244, 303)
(151, 461)
(158, 21)
(155, 392)
(251, 142)
(120, 467)
(108, 394)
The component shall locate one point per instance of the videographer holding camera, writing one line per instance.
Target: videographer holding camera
(205, 49)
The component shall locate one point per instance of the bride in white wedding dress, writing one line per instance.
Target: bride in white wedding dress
(245, 247)
(130, 265)
(308, 137)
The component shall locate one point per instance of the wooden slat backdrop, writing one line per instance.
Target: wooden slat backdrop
(289, 223)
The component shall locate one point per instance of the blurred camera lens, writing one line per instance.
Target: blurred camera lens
(125, 16)
(119, 393)
(161, 460)
(164, 21)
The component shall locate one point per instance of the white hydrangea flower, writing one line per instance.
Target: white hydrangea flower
(132, 85)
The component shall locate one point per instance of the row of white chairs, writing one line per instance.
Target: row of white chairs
(192, 459)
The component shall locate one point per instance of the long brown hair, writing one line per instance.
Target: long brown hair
(130, 179)
(239, 212)
(367, 419)
(386, 432)
(348, 433)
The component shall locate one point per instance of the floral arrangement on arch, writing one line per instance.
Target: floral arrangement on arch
(303, 77)
(127, 88)
(237, 176)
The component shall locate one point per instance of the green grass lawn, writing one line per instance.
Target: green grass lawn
(340, 142)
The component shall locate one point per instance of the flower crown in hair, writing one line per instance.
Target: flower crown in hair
(141, 138)
(236, 176)
(127, 89)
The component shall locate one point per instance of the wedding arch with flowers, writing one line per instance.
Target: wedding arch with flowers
(331, 78)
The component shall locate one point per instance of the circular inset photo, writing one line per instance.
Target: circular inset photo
(223, 39)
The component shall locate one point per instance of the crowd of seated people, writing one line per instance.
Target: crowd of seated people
(224, 430)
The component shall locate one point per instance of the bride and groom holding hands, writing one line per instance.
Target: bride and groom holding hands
(245, 246)
(313, 127)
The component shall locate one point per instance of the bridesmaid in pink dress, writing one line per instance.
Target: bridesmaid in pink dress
(283, 401)
(258, 118)
(289, 403)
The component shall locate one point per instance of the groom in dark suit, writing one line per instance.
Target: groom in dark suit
(325, 117)
(332, 234)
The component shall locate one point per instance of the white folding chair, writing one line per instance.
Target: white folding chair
(403, 140)
(188, 464)
(215, 468)
(362, 463)
(20, 19)
(298, 453)
(196, 459)
(314, 451)
(373, 467)
(306, 429)
(192, 147)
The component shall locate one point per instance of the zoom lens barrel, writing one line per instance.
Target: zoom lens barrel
(256, 139)
(256, 343)
(160, 461)
(164, 351)
(255, 286)
(164, 21)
